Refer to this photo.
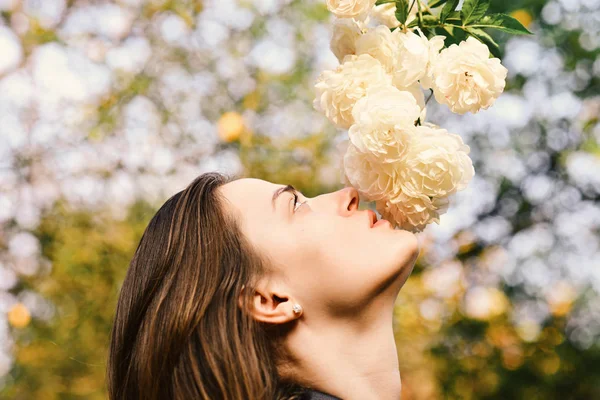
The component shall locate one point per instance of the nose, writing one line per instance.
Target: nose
(349, 200)
(343, 202)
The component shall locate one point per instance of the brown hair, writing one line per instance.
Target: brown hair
(179, 331)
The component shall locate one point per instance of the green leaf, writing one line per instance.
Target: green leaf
(402, 11)
(428, 20)
(502, 22)
(380, 2)
(429, 32)
(448, 8)
(436, 3)
(454, 16)
(473, 10)
(486, 39)
(454, 35)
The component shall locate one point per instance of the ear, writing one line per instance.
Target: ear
(270, 304)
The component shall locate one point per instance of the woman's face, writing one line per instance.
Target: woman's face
(326, 254)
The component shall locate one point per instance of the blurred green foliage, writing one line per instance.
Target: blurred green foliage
(65, 358)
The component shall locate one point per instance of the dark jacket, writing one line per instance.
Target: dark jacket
(317, 395)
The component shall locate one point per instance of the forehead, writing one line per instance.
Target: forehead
(246, 189)
(251, 196)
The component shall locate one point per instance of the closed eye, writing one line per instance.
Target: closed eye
(296, 201)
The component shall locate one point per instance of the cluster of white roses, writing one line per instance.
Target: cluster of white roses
(409, 167)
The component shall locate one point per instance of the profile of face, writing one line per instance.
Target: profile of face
(324, 252)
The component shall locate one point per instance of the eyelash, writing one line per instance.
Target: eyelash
(296, 201)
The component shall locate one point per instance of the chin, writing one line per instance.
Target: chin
(404, 274)
(409, 245)
(401, 266)
(408, 257)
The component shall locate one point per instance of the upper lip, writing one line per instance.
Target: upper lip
(373, 217)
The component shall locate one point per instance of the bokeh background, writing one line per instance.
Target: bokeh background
(107, 108)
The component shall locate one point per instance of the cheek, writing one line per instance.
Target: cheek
(293, 250)
(334, 246)
(335, 251)
(338, 265)
(358, 261)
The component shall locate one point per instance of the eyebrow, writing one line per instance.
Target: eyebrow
(278, 192)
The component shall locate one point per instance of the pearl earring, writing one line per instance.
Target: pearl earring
(297, 308)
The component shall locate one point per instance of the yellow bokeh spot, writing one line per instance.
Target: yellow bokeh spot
(550, 365)
(486, 303)
(560, 298)
(523, 16)
(19, 316)
(252, 100)
(466, 241)
(552, 336)
(500, 336)
(560, 309)
(528, 330)
(230, 126)
(463, 387)
(490, 381)
(246, 137)
(512, 357)
(482, 349)
(465, 248)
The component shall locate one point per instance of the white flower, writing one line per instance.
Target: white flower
(436, 44)
(413, 58)
(437, 164)
(339, 89)
(358, 9)
(346, 32)
(412, 213)
(417, 93)
(382, 44)
(386, 106)
(386, 14)
(466, 79)
(371, 178)
(380, 121)
(342, 148)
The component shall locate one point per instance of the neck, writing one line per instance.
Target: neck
(349, 359)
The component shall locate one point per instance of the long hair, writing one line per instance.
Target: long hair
(179, 331)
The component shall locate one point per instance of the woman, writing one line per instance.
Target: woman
(245, 289)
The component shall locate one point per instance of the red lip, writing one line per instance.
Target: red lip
(373, 217)
(382, 222)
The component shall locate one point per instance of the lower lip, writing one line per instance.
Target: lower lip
(381, 222)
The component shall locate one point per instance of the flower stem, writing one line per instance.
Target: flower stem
(429, 98)
(419, 13)
(404, 25)
(411, 6)
(427, 8)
